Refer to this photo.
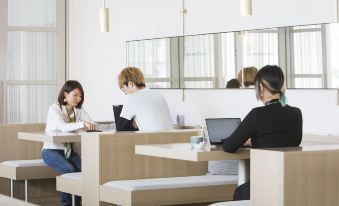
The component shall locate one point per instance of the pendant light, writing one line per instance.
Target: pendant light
(104, 18)
(246, 7)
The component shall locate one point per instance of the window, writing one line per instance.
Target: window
(34, 56)
(306, 55)
(199, 62)
(259, 48)
(153, 57)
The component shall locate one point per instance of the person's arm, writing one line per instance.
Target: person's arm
(88, 122)
(245, 130)
(125, 121)
(125, 125)
(56, 121)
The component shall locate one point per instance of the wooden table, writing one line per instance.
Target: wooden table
(57, 137)
(182, 151)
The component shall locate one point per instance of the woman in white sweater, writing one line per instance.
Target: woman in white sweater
(66, 116)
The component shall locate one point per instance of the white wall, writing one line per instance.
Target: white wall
(223, 15)
(95, 60)
(319, 106)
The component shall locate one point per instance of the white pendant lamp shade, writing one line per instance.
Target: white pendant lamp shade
(246, 7)
(104, 20)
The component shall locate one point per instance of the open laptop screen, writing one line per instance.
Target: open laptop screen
(221, 128)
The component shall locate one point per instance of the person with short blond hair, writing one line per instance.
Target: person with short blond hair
(144, 110)
(246, 76)
(131, 74)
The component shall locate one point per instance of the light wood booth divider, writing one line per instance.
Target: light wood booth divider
(11, 148)
(111, 156)
(305, 176)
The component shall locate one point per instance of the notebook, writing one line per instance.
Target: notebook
(220, 129)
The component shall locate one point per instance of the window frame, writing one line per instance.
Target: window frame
(60, 30)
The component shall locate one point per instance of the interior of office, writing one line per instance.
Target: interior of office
(149, 19)
(95, 59)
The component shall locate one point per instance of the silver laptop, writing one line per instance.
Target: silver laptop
(221, 128)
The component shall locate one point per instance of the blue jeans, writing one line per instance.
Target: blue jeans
(55, 158)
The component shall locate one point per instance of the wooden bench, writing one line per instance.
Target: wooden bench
(169, 191)
(41, 191)
(111, 157)
(25, 170)
(70, 183)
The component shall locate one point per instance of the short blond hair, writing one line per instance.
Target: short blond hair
(249, 75)
(131, 74)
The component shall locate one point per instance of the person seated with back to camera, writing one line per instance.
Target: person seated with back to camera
(233, 84)
(144, 109)
(275, 124)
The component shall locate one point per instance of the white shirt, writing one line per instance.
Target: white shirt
(150, 110)
(58, 121)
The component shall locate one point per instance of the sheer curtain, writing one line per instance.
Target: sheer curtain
(32, 13)
(199, 65)
(332, 55)
(228, 56)
(153, 58)
(33, 61)
(260, 48)
(307, 57)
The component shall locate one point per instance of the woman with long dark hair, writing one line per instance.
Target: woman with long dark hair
(275, 124)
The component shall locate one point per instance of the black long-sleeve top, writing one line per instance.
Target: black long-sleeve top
(272, 125)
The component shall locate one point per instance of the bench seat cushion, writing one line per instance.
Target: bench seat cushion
(24, 163)
(70, 183)
(173, 182)
(72, 176)
(26, 169)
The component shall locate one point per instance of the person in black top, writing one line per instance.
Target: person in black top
(273, 125)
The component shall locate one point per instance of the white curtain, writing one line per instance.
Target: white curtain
(307, 62)
(29, 103)
(332, 55)
(32, 13)
(32, 55)
(260, 48)
(151, 56)
(228, 56)
(32, 60)
(199, 56)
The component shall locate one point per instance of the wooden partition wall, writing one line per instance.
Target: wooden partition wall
(110, 156)
(307, 176)
(13, 149)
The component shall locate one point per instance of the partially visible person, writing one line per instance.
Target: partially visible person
(233, 83)
(144, 110)
(65, 116)
(246, 76)
(275, 124)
